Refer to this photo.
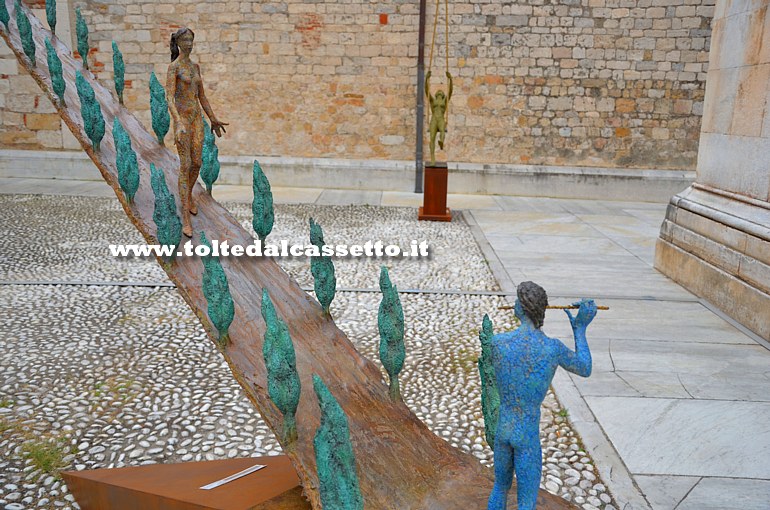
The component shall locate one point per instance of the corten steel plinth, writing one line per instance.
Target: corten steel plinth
(434, 197)
(178, 486)
(401, 463)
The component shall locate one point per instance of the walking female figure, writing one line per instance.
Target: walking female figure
(185, 96)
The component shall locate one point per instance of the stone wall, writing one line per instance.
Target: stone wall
(608, 83)
(715, 240)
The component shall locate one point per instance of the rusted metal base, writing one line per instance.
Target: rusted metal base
(177, 486)
(434, 198)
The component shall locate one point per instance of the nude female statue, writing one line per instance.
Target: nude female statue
(438, 105)
(185, 96)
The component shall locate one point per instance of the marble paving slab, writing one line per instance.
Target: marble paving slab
(728, 494)
(674, 321)
(665, 492)
(688, 437)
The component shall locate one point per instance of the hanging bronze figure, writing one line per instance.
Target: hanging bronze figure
(439, 103)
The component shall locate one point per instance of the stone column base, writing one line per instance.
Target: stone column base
(717, 245)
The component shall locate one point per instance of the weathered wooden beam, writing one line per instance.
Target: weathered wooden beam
(401, 463)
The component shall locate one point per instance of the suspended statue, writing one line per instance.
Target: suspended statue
(525, 361)
(438, 106)
(184, 88)
(439, 103)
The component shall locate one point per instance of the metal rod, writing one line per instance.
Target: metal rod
(557, 307)
(418, 163)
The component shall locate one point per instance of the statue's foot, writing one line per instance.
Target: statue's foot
(193, 207)
(187, 230)
(441, 145)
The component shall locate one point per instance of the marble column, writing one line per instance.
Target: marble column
(715, 240)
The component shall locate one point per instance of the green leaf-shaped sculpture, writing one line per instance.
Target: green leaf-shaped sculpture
(161, 119)
(128, 169)
(335, 460)
(93, 122)
(169, 226)
(283, 384)
(324, 280)
(210, 157)
(50, 14)
(55, 69)
(25, 33)
(82, 32)
(4, 16)
(217, 292)
(390, 322)
(490, 397)
(119, 72)
(262, 207)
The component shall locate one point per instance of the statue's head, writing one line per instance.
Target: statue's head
(531, 302)
(440, 95)
(181, 40)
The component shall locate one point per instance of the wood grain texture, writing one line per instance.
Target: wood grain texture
(401, 463)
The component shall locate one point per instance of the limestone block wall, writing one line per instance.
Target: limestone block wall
(735, 139)
(715, 239)
(608, 83)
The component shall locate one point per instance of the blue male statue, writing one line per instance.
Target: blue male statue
(525, 361)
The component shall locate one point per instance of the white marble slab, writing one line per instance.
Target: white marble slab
(689, 358)
(688, 437)
(670, 321)
(665, 492)
(728, 494)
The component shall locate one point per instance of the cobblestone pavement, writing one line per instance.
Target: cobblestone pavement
(109, 376)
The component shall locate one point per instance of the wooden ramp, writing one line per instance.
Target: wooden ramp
(401, 463)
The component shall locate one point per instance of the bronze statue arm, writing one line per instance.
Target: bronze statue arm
(427, 86)
(449, 94)
(170, 93)
(216, 125)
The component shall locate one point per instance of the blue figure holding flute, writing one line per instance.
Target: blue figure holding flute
(525, 361)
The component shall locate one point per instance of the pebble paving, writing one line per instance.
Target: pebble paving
(112, 376)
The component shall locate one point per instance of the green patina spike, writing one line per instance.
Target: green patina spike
(217, 292)
(119, 71)
(82, 32)
(283, 383)
(262, 207)
(210, 157)
(93, 122)
(4, 16)
(335, 460)
(55, 70)
(390, 322)
(50, 14)
(167, 222)
(128, 168)
(490, 397)
(25, 33)
(322, 267)
(161, 119)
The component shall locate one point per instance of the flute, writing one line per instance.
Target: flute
(557, 307)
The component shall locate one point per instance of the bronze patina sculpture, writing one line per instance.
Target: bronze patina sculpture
(438, 106)
(525, 361)
(184, 87)
(384, 435)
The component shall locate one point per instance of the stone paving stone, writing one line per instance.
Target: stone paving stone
(631, 319)
(349, 197)
(688, 437)
(727, 494)
(665, 492)
(684, 357)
